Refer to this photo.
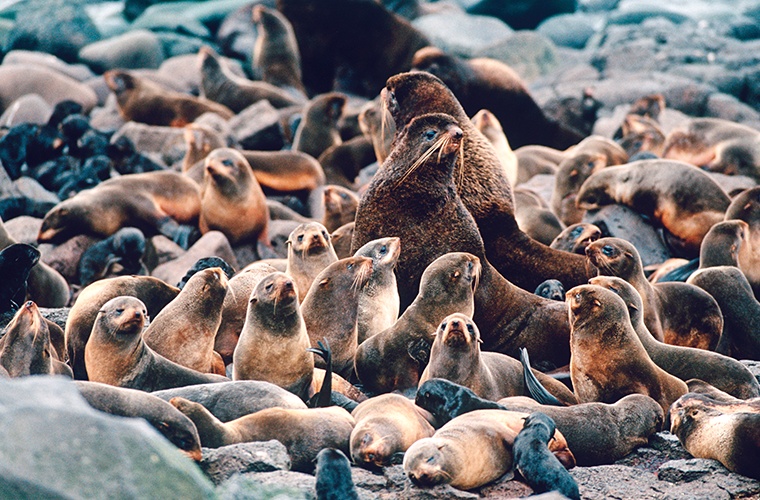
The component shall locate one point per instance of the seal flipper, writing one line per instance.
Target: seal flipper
(533, 386)
(323, 398)
(681, 273)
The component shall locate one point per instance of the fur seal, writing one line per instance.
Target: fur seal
(597, 433)
(487, 83)
(607, 358)
(121, 253)
(551, 289)
(273, 343)
(153, 202)
(576, 238)
(746, 207)
(16, 263)
(533, 460)
(116, 354)
(679, 196)
(386, 425)
(184, 330)
(231, 199)
(379, 302)
(472, 450)
(173, 424)
(456, 356)
(344, 162)
(675, 313)
(318, 129)
(641, 134)
(731, 290)
(537, 160)
(413, 196)
(275, 53)
(341, 240)
(337, 288)
(394, 359)
(712, 429)
(340, 206)
(152, 291)
(480, 182)
(534, 217)
(144, 101)
(303, 432)
(26, 347)
(377, 126)
(309, 252)
(333, 476)
(686, 363)
(488, 125)
(591, 155)
(221, 85)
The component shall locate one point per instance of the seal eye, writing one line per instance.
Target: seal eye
(608, 250)
(300, 238)
(430, 134)
(268, 287)
(350, 266)
(227, 162)
(383, 250)
(576, 232)
(344, 196)
(324, 233)
(443, 325)
(471, 329)
(119, 312)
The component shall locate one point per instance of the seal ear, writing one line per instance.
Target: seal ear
(597, 303)
(119, 81)
(324, 282)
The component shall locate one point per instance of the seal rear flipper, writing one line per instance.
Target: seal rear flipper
(533, 386)
(681, 273)
(323, 398)
(419, 350)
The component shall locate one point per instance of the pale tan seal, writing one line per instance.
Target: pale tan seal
(309, 252)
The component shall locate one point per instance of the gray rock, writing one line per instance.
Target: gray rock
(462, 34)
(370, 481)
(570, 30)
(106, 116)
(246, 488)
(527, 52)
(442, 491)
(257, 127)
(24, 229)
(687, 470)
(58, 27)
(54, 440)
(220, 464)
(175, 44)
(29, 108)
(132, 50)
(65, 257)
(299, 481)
(211, 244)
(30, 188)
(108, 18)
(732, 184)
(167, 142)
(57, 315)
(730, 108)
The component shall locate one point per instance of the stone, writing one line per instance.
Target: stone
(461, 34)
(220, 464)
(52, 85)
(165, 249)
(753, 366)
(257, 127)
(167, 142)
(211, 244)
(24, 229)
(30, 188)
(370, 481)
(108, 18)
(29, 108)
(730, 108)
(570, 30)
(676, 471)
(53, 440)
(132, 50)
(56, 315)
(176, 44)
(442, 491)
(529, 53)
(523, 14)
(65, 257)
(240, 487)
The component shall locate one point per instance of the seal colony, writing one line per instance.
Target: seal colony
(410, 277)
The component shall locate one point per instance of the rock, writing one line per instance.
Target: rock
(30, 188)
(48, 83)
(442, 491)
(107, 117)
(527, 52)
(705, 473)
(523, 14)
(58, 27)
(29, 108)
(56, 315)
(211, 244)
(78, 72)
(570, 30)
(171, 17)
(246, 488)
(732, 184)
(622, 222)
(176, 44)
(257, 127)
(370, 481)
(24, 229)
(236, 35)
(167, 142)
(185, 69)
(542, 185)
(65, 257)
(506, 487)
(730, 108)
(132, 50)
(220, 464)
(395, 477)
(59, 443)
(677, 471)
(108, 18)
(133, 8)
(166, 250)
(462, 34)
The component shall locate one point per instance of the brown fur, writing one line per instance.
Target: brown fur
(340, 206)
(275, 52)
(318, 130)
(309, 252)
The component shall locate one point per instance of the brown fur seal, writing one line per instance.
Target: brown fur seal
(712, 429)
(340, 207)
(488, 125)
(675, 313)
(343, 162)
(341, 240)
(143, 101)
(318, 129)
(200, 141)
(641, 134)
(378, 127)
(394, 359)
(534, 218)
(153, 202)
(740, 309)
(483, 83)
(357, 44)
(235, 307)
(682, 198)
(537, 160)
(480, 182)
(273, 343)
(608, 360)
(330, 309)
(591, 155)
(221, 85)
(309, 252)
(285, 171)
(303, 432)
(379, 303)
(173, 424)
(686, 363)
(576, 238)
(116, 354)
(26, 348)
(184, 330)
(275, 53)
(413, 196)
(232, 200)
(152, 291)
(472, 450)
(456, 356)
(746, 207)
(385, 426)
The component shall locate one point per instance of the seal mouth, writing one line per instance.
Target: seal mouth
(426, 478)
(455, 337)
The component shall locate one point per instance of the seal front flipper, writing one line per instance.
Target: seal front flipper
(323, 398)
(681, 273)
(533, 386)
